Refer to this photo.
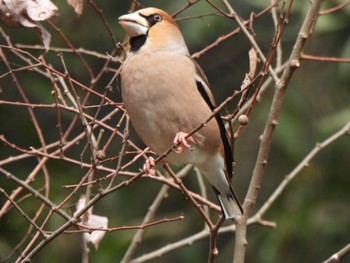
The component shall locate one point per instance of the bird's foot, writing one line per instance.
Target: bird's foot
(149, 166)
(182, 142)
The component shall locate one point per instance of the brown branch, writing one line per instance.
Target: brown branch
(324, 59)
(232, 33)
(105, 22)
(89, 229)
(23, 213)
(72, 47)
(185, 7)
(106, 126)
(187, 193)
(213, 250)
(334, 9)
(65, 50)
(34, 192)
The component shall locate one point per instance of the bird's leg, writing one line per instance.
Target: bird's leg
(180, 138)
(149, 166)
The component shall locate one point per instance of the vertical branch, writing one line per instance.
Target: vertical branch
(276, 23)
(203, 190)
(213, 250)
(93, 143)
(272, 121)
(277, 102)
(122, 152)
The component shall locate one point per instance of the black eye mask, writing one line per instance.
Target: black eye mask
(153, 19)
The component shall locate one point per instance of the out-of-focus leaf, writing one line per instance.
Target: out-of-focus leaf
(96, 236)
(40, 10)
(27, 13)
(93, 221)
(78, 6)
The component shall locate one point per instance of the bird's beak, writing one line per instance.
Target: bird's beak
(134, 24)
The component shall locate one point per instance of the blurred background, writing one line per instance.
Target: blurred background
(312, 215)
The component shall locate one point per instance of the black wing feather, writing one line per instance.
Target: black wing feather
(201, 83)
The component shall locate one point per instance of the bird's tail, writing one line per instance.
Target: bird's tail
(230, 204)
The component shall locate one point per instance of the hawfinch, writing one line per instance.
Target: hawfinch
(167, 95)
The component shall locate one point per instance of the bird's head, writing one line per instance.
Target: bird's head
(152, 29)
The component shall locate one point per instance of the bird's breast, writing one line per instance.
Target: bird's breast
(162, 100)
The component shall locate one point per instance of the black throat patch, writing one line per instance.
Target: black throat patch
(137, 42)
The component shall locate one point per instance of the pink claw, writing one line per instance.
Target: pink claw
(150, 166)
(180, 138)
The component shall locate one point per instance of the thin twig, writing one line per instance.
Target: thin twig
(345, 130)
(325, 59)
(336, 257)
(122, 152)
(189, 196)
(23, 213)
(335, 8)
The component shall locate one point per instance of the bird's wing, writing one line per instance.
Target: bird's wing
(204, 90)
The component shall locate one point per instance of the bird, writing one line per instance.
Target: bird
(167, 95)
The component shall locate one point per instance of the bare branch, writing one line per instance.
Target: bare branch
(339, 255)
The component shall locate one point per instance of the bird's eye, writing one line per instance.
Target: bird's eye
(153, 19)
(157, 17)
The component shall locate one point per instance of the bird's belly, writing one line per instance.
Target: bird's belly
(189, 156)
(158, 132)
